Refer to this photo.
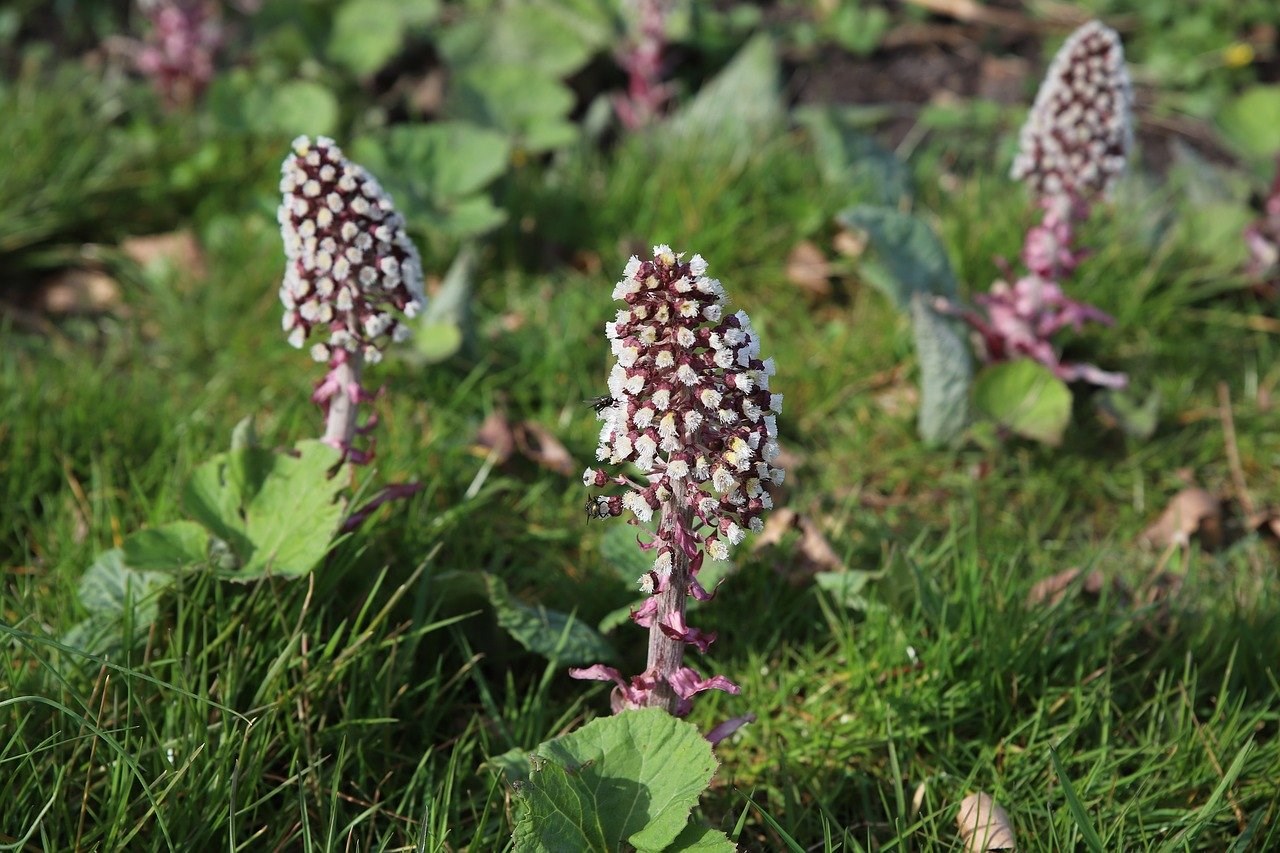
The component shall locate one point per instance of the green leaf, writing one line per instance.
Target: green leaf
(300, 106)
(554, 635)
(520, 102)
(366, 35)
(278, 513)
(696, 838)
(848, 155)
(1251, 121)
(845, 587)
(1026, 398)
(168, 548)
(443, 326)
(735, 110)
(1135, 418)
(110, 587)
(633, 777)
(620, 548)
(946, 372)
(543, 36)
(908, 257)
(441, 160)
(122, 605)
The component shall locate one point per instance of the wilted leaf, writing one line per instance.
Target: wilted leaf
(1025, 398)
(813, 553)
(632, 778)
(175, 252)
(496, 436)
(277, 512)
(1192, 512)
(984, 825)
(1053, 589)
(78, 291)
(540, 446)
(808, 268)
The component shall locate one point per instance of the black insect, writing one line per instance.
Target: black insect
(600, 403)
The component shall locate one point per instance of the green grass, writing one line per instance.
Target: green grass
(353, 710)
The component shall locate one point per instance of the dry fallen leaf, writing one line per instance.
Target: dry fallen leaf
(78, 291)
(1053, 589)
(539, 445)
(1193, 511)
(850, 243)
(813, 553)
(495, 436)
(178, 250)
(984, 825)
(808, 268)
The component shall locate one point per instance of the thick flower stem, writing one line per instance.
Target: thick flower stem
(666, 654)
(340, 428)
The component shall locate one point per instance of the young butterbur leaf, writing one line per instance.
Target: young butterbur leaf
(278, 513)
(631, 778)
(946, 372)
(735, 110)
(908, 257)
(550, 633)
(122, 604)
(554, 635)
(443, 328)
(1025, 398)
(168, 548)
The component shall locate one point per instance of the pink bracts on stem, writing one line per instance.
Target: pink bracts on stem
(351, 273)
(178, 52)
(641, 56)
(1262, 238)
(690, 408)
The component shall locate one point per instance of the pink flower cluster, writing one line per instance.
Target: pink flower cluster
(641, 57)
(178, 53)
(689, 408)
(1262, 238)
(1073, 149)
(351, 273)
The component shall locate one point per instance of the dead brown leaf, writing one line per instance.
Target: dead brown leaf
(1191, 512)
(984, 825)
(178, 250)
(495, 436)
(540, 446)
(813, 553)
(78, 291)
(1265, 521)
(1052, 590)
(808, 268)
(850, 243)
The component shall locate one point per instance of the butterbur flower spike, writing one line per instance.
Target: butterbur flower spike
(690, 408)
(1076, 141)
(1072, 150)
(351, 274)
(179, 51)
